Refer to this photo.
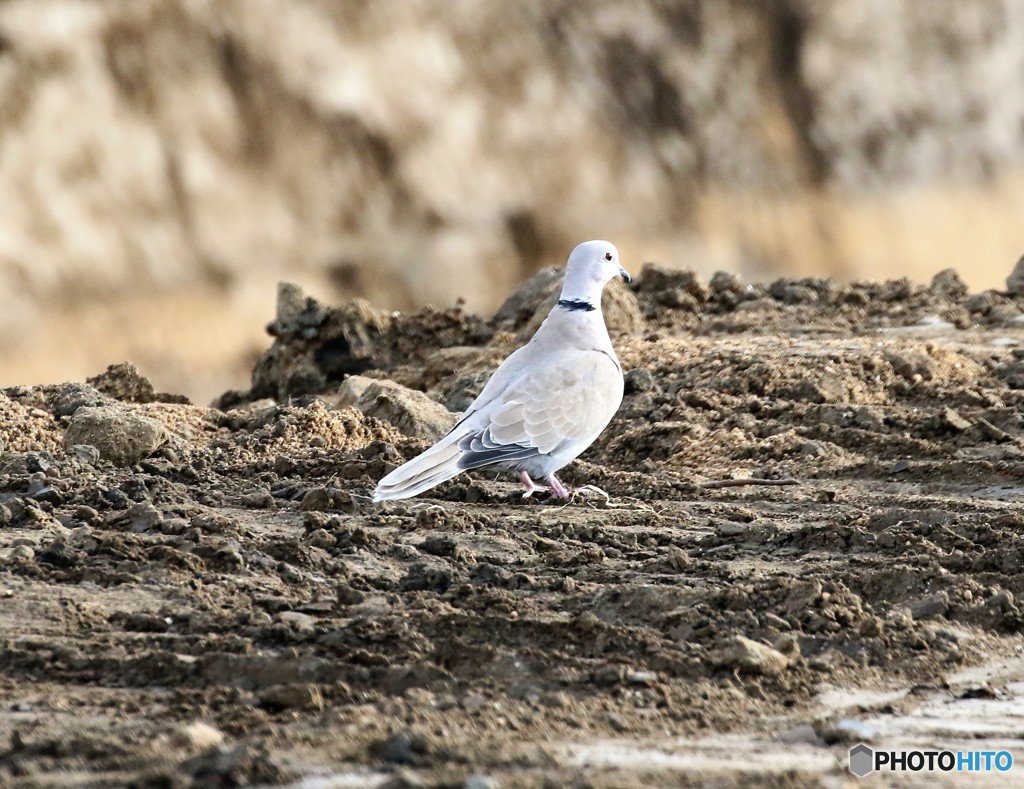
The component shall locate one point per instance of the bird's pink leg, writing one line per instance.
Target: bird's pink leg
(531, 486)
(558, 490)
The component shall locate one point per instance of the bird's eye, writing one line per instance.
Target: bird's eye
(607, 255)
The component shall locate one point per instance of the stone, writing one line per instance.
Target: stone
(953, 421)
(751, 657)
(411, 412)
(929, 608)
(322, 499)
(119, 435)
(948, 283)
(197, 736)
(296, 696)
(639, 380)
(521, 305)
(350, 391)
(1015, 282)
(725, 282)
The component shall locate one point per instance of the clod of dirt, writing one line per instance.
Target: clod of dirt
(125, 383)
(197, 736)
(285, 697)
(1015, 282)
(948, 283)
(751, 657)
(933, 363)
(326, 498)
(348, 394)
(411, 412)
(521, 305)
(403, 747)
(122, 437)
(314, 346)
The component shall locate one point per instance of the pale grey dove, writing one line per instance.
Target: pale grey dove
(546, 403)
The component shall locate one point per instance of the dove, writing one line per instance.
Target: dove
(545, 404)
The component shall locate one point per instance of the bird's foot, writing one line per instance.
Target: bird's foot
(558, 490)
(531, 486)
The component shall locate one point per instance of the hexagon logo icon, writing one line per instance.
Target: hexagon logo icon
(862, 760)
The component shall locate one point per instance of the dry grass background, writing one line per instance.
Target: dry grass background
(164, 162)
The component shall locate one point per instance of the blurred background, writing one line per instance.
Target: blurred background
(163, 163)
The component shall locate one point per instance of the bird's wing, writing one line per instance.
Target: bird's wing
(566, 397)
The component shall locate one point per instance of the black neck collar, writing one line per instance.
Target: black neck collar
(576, 305)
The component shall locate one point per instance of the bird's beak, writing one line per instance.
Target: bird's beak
(625, 275)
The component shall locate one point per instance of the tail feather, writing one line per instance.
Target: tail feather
(437, 464)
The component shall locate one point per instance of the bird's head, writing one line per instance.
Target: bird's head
(591, 265)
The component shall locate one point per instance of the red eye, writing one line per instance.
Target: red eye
(607, 255)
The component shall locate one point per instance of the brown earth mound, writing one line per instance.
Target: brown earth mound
(225, 607)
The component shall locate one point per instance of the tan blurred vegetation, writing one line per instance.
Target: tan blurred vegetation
(164, 162)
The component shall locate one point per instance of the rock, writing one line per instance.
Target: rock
(298, 696)
(125, 383)
(298, 621)
(121, 436)
(65, 399)
(789, 293)
(948, 283)
(348, 394)
(663, 281)
(869, 418)
(815, 448)
(85, 453)
(752, 657)
(283, 466)
(933, 363)
(522, 305)
(197, 736)
(142, 517)
(609, 674)
(953, 421)
(323, 498)
(1015, 282)
(1004, 313)
(143, 622)
(59, 554)
(412, 412)
(22, 553)
(401, 748)
(725, 282)
(980, 303)
(314, 346)
(827, 389)
(1001, 600)
(930, 607)
(639, 380)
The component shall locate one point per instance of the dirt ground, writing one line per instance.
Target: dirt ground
(205, 596)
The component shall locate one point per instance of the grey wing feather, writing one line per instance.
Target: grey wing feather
(567, 399)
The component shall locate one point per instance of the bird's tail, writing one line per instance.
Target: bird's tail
(437, 464)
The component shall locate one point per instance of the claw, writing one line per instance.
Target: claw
(558, 490)
(531, 486)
